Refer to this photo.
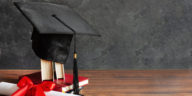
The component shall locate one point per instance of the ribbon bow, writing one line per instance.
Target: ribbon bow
(27, 88)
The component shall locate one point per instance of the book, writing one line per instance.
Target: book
(61, 84)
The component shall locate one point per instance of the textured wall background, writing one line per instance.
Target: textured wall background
(136, 34)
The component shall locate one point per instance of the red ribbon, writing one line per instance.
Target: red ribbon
(27, 88)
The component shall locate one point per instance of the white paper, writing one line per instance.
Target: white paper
(55, 93)
(9, 88)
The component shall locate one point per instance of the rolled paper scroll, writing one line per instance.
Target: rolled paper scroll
(9, 88)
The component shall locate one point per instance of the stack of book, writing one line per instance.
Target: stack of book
(62, 85)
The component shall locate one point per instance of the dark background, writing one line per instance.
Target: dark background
(136, 34)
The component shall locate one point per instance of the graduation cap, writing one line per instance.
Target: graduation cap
(54, 27)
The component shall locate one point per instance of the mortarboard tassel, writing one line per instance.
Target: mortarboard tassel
(75, 67)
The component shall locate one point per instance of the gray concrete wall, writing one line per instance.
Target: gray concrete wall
(136, 34)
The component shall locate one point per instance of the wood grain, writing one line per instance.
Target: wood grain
(127, 82)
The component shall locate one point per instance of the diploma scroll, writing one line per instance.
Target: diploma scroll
(9, 88)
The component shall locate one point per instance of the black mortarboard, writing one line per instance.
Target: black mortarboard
(54, 26)
(40, 15)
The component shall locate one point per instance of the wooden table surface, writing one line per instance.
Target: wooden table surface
(126, 82)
